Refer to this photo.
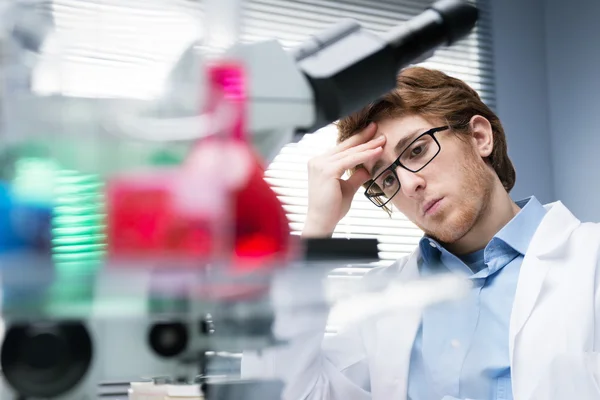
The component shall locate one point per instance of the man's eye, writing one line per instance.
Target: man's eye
(388, 181)
(417, 151)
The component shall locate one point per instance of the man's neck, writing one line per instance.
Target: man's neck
(500, 210)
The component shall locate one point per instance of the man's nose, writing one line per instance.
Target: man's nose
(410, 183)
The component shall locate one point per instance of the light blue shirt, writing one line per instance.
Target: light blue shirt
(461, 349)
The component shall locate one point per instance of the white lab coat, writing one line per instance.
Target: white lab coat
(554, 335)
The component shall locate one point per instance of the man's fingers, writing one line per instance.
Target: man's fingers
(352, 160)
(357, 179)
(358, 138)
(371, 144)
(335, 165)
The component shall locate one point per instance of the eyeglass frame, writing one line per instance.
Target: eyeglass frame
(393, 166)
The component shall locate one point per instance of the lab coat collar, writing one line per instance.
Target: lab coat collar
(556, 227)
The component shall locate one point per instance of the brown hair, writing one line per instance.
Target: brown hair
(434, 95)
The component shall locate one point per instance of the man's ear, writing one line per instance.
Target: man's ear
(482, 134)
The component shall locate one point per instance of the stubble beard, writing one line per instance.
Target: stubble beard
(454, 222)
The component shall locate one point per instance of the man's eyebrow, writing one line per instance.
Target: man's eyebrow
(377, 166)
(402, 143)
(405, 141)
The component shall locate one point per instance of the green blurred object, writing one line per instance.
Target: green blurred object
(78, 238)
(78, 241)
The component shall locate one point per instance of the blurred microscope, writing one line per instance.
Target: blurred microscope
(137, 235)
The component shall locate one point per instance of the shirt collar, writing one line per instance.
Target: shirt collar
(520, 230)
(430, 249)
(517, 233)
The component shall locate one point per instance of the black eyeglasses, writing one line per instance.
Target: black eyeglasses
(417, 155)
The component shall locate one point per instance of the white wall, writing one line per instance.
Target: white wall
(573, 63)
(521, 90)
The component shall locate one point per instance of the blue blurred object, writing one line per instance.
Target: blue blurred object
(26, 271)
(24, 225)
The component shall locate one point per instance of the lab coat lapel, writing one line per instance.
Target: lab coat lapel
(395, 335)
(531, 278)
(547, 244)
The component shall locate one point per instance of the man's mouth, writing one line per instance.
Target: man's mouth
(430, 206)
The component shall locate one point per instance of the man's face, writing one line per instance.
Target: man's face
(447, 197)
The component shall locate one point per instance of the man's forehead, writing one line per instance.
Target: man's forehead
(402, 126)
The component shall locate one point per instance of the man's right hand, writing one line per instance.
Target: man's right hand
(330, 196)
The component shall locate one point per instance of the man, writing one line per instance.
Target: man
(529, 327)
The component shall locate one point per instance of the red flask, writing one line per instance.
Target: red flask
(215, 207)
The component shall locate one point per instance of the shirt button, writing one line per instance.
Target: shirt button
(432, 244)
(455, 343)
